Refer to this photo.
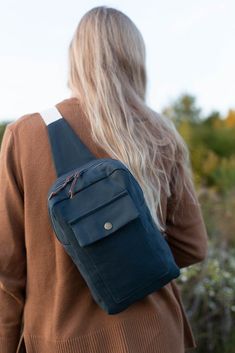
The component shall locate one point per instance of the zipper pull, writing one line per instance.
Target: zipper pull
(76, 175)
(67, 180)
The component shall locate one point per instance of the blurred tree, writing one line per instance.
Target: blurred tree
(213, 120)
(2, 129)
(208, 288)
(183, 109)
(211, 142)
(230, 119)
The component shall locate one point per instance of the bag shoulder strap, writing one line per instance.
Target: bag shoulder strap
(68, 151)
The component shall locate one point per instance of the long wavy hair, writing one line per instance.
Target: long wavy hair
(108, 76)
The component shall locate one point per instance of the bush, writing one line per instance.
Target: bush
(208, 288)
(208, 293)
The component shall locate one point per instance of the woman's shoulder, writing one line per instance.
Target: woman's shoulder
(32, 122)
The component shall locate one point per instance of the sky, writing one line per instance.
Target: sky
(190, 48)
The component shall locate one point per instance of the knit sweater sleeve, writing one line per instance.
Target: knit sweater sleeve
(185, 229)
(12, 250)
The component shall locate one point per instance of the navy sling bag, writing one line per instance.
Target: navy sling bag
(99, 215)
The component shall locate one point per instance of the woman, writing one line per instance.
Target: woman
(40, 287)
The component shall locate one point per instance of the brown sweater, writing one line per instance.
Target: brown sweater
(39, 284)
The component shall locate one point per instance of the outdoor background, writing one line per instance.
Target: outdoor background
(191, 78)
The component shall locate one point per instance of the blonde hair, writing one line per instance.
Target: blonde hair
(108, 76)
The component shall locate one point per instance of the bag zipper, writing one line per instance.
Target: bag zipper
(73, 177)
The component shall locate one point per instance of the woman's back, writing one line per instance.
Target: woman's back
(39, 280)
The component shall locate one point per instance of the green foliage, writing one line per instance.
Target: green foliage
(2, 129)
(184, 109)
(208, 288)
(211, 143)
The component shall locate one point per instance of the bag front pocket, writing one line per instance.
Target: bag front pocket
(121, 250)
(104, 220)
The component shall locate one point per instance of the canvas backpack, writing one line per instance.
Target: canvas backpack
(99, 215)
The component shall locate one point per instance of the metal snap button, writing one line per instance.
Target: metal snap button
(108, 225)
